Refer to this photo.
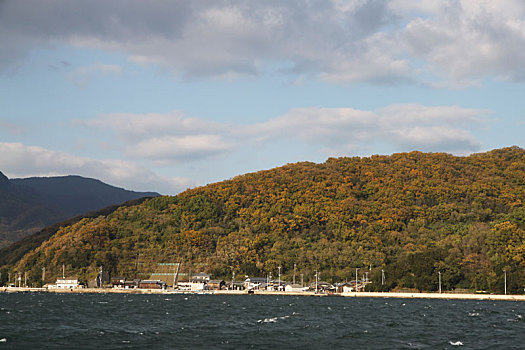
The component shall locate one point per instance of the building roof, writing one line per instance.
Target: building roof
(152, 281)
(256, 279)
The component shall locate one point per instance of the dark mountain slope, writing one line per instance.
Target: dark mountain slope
(14, 252)
(75, 195)
(28, 205)
(410, 214)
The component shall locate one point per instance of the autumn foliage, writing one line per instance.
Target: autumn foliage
(410, 214)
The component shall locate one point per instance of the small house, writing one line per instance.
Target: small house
(118, 282)
(131, 284)
(293, 288)
(323, 287)
(254, 282)
(216, 284)
(200, 277)
(152, 284)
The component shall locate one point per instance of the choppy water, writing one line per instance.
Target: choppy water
(116, 321)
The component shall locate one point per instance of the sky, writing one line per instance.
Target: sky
(165, 95)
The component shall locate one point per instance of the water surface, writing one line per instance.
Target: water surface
(132, 321)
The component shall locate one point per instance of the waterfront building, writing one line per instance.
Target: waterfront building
(254, 282)
(216, 284)
(131, 284)
(118, 282)
(293, 288)
(67, 283)
(322, 287)
(194, 286)
(200, 277)
(152, 284)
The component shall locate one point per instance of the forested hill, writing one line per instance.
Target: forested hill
(410, 214)
(28, 205)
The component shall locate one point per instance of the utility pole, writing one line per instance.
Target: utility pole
(174, 276)
(439, 272)
(316, 280)
(63, 271)
(356, 269)
(279, 286)
(505, 273)
(294, 268)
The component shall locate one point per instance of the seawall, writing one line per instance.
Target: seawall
(261, 292)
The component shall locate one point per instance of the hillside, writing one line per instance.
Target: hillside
(28, 205)
(410, 214)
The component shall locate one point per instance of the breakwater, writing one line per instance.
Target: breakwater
(463, 296)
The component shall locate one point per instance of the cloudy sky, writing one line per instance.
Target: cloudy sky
(164, 95)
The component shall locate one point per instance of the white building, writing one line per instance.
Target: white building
(200, 277)
(192, 286)
(255, 283)
(293, 288)
(348, 288)
(67, 283)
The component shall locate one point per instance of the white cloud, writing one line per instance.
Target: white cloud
(315, 124)
(406, 127)
(174, 138)
(470, 39)
(453, 41)
(19, 160)
(335, 40)
(165, 138)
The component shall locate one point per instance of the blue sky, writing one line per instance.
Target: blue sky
(166, 95)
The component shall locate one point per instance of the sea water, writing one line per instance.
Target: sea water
(138, 321)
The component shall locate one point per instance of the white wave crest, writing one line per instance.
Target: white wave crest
(456, 343)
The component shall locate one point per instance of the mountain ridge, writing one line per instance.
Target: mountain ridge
(409, 214)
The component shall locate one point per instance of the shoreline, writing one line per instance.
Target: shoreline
(457, 296)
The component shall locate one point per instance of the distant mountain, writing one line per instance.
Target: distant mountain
(28, 205)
